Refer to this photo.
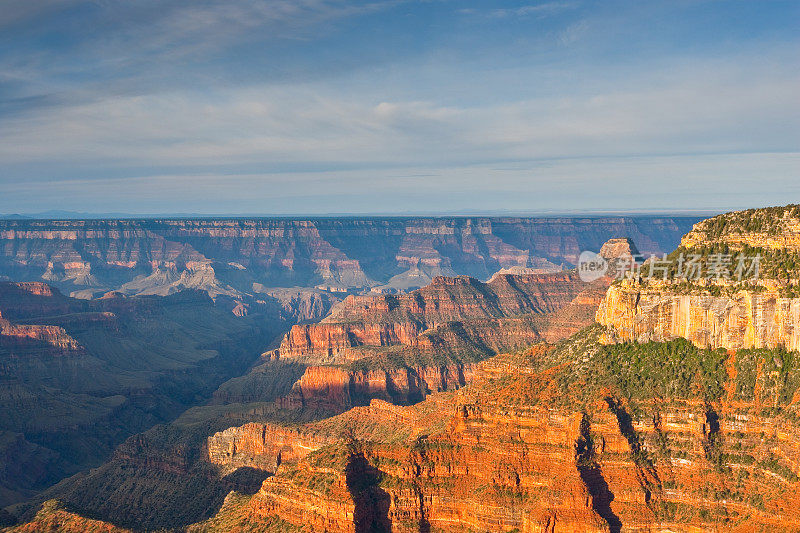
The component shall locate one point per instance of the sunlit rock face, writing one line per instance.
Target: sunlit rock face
(619, 249)
(524, 449)
(742, 320)
(492, 313)
(407, 434)
(758, 307)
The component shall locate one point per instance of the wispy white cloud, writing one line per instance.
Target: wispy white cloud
(112, 47)
(574, 32)
(538, 10)
(721, 106)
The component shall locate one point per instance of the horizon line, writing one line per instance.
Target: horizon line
(75, 215)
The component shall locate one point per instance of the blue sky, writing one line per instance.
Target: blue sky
(327, 106)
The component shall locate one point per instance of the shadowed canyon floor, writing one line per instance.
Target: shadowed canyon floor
(79, 377)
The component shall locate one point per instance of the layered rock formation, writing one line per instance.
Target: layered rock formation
(163, 465)
(53, 336)
(580, 436)
(263, 446)
(619, 249)
(584, 437)
(300, 304)
(716, 306)
(745, 319)
(383, 321)
(579, 446)
(88, 257)
(333, 389)
(402, 348)
(776, 228)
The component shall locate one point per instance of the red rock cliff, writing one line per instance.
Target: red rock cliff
(380, 321)
(511, 453)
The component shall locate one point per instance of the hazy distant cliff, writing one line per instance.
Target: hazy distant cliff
(225, 256)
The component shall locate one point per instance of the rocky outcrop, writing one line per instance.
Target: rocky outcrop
(169, 279)
(618, 249)
(772, 228)
(710, 304)
(403, 348)
(461, 297)
(55, 516)
(262, 446)
(54, 336)
(20, 301)
(329, 342)
(300, 304)
(745, 319)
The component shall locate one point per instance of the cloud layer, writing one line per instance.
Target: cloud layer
(325, 106)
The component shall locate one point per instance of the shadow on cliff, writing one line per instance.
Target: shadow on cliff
(592, 477)
(646, 472)
(245, 479)
(371, 513)
(713, 439)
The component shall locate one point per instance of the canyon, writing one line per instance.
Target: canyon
(537, 443)
(676, 412)
(221, 291)
(232, 257)
(163, 478)
(525, 400)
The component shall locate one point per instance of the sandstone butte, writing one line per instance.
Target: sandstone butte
(588, 434)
